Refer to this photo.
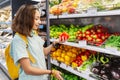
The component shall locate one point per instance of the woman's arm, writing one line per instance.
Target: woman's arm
(48, 49)
(30, 70)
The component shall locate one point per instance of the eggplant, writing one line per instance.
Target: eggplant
(102, 72)
(105, 77)
(96, 70)
(108, 65)
(115, 74)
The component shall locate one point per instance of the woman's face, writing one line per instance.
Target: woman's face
(37, 20)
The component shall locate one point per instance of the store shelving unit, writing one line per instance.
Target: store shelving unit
(94, 48)
(83, 44)
(84, 74)
(89, 14)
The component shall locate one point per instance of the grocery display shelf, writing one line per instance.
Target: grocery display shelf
(90, 47)
(3, 73)
(89, 14)
(70, 69)
(2, 61)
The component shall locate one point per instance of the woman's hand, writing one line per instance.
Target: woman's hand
(62, 38)
(57, 74)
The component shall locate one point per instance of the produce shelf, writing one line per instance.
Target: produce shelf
(94, 48)
(89, 14)
(70, 69)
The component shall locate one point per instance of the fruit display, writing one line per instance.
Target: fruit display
(66, 75)
(95, 35)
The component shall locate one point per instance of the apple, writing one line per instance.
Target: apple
(87, 53)
(99, 31)
(80, 62)
(87, 35)
(103, 37)
(99, 26)
(78, 58)
(89, 38)
(79, 37)
(87, 32)
(99, 40)
(84, 35)
(92, 30)
(71, 10)
(95, 36)
(79, 32)
(98, 44)
(99, 35)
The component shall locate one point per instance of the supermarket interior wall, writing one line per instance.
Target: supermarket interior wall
(17, 3)
(112, 22)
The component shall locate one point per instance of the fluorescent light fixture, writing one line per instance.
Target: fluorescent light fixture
(39, 0)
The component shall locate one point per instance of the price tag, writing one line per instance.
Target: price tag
(55, 62)
(70, 68)
(114, 50)
(92, 11)
(63, 65)
(82, 42)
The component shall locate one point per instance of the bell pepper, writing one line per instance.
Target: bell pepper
(84, 57)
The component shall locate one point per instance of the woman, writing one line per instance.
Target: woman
(26, 22)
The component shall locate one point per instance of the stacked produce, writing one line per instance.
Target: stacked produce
(94, 35)
(107, 68)
(66, 6)
(65, 54)
(55, 31)
(66, 75)
(82, 58)
(58, 7)
(87, 64)
(71, 56)
(116, 34)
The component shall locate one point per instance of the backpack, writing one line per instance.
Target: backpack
(13, 69)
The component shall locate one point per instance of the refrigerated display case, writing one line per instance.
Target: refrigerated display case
(3, 73)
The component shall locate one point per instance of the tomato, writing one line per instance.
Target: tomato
(80, 62)
(78, 58)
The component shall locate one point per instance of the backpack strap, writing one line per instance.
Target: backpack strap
(26, 41)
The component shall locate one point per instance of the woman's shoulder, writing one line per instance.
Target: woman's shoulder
(17, 38)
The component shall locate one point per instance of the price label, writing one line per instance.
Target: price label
(92, 11)
(114, 50)
(63, 65)
(82, 42)
(70, 68)
(55, 62)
